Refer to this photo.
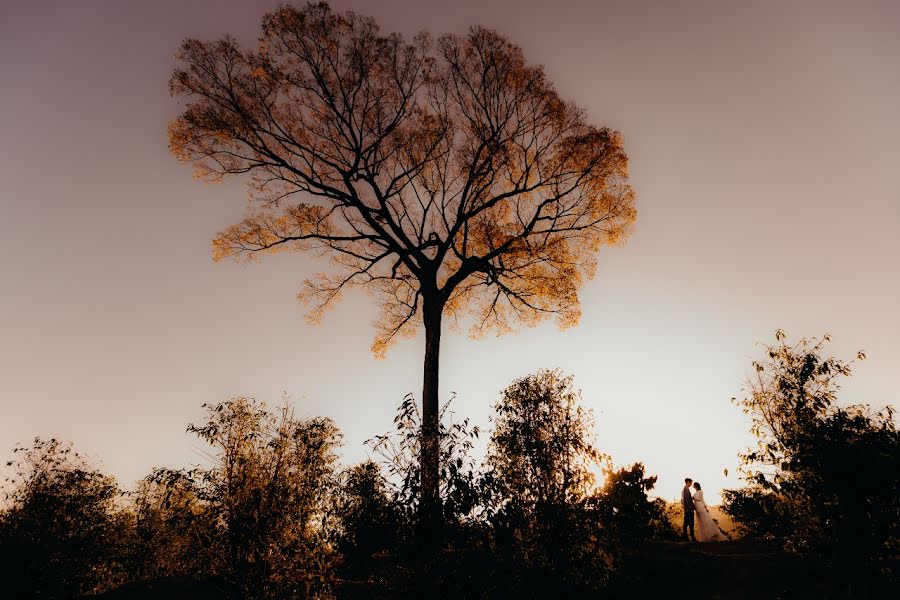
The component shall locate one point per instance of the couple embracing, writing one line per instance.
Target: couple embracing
(707, 530)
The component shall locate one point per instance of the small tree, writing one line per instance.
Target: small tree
(828, 475)
(273, 487)
(62, 534)
(540, 472)
(368, 517)
(176, 532)
(446, 177)
(541, 450)
(626, 509)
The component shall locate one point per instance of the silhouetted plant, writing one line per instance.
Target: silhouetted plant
(541, 451)
(368, 516)
(177, 533)
(62, 533)
(272, 488)
(540, 472)
(625, 508)
(828, 476)
(459, 486)
(758, 512)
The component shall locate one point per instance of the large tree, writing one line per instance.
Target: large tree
(446, 176)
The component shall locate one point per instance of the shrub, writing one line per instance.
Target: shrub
(62, 534)
(271, 490)
(368, 517)
(824, 475)
(176, 532)
(625, 507)
(540, 466)
(400, 451)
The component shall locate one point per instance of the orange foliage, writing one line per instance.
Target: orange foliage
(443, 171)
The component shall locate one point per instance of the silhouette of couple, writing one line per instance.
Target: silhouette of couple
(707, 529)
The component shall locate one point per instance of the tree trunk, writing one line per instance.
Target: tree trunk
(430, 516)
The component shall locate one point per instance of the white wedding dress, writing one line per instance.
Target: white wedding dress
(707, 530)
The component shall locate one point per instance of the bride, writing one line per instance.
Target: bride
(707, 530)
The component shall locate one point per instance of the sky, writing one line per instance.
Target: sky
(763, 145)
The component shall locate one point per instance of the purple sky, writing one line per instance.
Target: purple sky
(764, 152)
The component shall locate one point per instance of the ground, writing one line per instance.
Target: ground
(739, 570)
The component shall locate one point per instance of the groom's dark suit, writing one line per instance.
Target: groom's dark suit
(687, 502)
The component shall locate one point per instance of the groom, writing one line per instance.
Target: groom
(687, 503)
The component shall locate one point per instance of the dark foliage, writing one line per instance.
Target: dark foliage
(530, 524)
(62, 534)
(176, 533)
(270, 516)
(400, 451)
(369, 518)
(758, 513)
(176, 588)
(825, 476)
(624, 506)
(540, 471)
(271, 493)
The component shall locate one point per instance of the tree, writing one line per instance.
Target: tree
(447, 177)
(540, 464)
(541, 451)
(625, 507)
(62, 535)
(272, 486)
(827, 475)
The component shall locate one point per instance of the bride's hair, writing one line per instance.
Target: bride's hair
(697, 484)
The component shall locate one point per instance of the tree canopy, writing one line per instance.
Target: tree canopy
(443, 171)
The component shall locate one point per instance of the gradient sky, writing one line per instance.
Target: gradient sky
(763, 139)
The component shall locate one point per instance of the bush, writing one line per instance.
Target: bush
(176, 532)
(757, 512)
(368, 517)
(271, 491)
(62, 534)
(825, 476)
(626, 509)
(400, 452)
(540, 462)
